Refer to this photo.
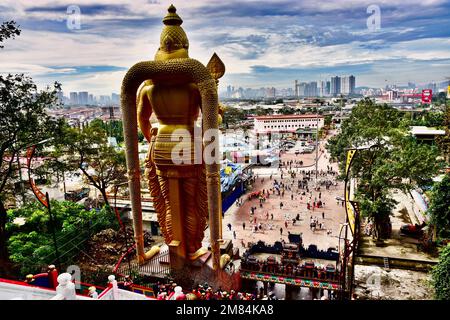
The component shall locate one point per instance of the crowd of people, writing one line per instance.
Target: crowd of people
(297, 184)
(172, 291)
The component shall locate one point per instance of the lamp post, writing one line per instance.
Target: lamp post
(317, 141)
(344, 262)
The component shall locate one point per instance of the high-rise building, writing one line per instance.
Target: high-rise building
(352, 83)
(105, 100)
(348, 85)
(115, 98)
(60, 96)
(73, 98)
(335, 88)
(296, 88)
(302, 87)
(229, 92)
(312, 89)
(345, 85)
(270, 92)
(91, 99)
(83, 97)
(324, 88)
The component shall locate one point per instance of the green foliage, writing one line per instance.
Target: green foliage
(113, 128)
(232, 116)
(263, 112)
(27, 249)
(440, 207)
(327, 120)
(23, 122)
(287, 110)
(8, 29)
(441, 275)
(87, 150)
(428, 119)
(444, 141)
(31, 244)
(389, 157)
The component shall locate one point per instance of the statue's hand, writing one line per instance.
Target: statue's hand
(221, 112)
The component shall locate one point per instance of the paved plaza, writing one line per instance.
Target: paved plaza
(271, 216)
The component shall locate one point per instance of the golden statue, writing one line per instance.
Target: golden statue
(186, 191)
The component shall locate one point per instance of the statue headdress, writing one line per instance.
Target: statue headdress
(173, 36)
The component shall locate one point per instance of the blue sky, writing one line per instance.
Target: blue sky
(262, 43)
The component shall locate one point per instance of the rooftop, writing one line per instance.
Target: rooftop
(289, 116)
(421, 130)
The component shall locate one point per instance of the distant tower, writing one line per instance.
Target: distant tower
(296, 88)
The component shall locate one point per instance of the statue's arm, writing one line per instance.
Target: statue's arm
(144, 112)
(221, 107)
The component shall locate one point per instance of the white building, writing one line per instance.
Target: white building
(348, 85)
(287, 123)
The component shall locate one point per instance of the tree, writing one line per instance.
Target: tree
(390, 158)
(444, 141)
(87, 150)
(23, 122)
(327, 120)
(8, 29)
(287, 110)
(441, 275)
(262, 111)
(233, 116)
(31, 245)
(439, 209)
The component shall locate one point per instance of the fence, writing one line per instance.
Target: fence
(311, 252)
(159, 266)
(71, 244)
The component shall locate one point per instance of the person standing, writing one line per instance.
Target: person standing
(243, 225)
(234, 235)
(323, 215)
(229, 226)
(281, 231)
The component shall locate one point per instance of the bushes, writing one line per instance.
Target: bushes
(31, 245)
(441, 275)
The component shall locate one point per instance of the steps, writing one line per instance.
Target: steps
(386, 262)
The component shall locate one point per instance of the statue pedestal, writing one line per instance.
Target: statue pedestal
(176, 255)
(226, 247)
(200, 261)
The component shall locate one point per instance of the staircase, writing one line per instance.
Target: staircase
(386, 262)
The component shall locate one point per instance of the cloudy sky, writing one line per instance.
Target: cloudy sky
(262, 43)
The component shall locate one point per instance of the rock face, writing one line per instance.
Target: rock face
(372, 282)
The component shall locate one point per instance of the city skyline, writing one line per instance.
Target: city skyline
(261, 42)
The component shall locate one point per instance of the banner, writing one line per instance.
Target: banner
(350, 155)
(427, 96)
(348, 204)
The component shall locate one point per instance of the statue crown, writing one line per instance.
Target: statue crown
(173, 36)
(172, 18)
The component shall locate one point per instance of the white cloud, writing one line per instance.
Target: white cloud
(38, 53)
